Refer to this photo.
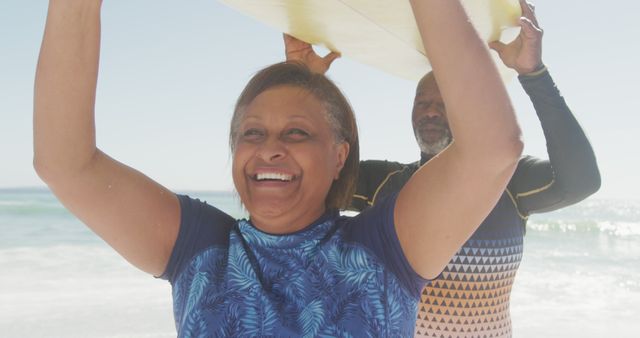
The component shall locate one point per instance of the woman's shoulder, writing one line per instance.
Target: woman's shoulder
(202, 226)
(196, 210)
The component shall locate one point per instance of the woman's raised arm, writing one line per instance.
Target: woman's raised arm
(136, 216)
(447, 199)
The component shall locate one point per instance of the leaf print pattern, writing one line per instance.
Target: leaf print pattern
(294, 285)
(311, 318)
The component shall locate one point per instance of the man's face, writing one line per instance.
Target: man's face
(429, 118)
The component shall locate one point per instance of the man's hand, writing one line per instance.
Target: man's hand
(524, 54)
(301, 51)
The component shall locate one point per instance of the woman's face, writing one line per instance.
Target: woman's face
(285, 159)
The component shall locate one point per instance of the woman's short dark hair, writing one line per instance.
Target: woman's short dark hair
(338, 111)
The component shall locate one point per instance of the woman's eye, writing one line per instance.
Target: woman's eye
(252, 134)
(296, 133)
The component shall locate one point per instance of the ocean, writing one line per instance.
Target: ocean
(580, 275)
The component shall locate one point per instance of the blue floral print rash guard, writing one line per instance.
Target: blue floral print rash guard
(339, 277)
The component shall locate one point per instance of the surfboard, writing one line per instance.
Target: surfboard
(379, 33)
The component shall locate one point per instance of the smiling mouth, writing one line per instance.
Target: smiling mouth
(277, 177)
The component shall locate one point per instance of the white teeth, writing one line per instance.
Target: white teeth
(273, 176)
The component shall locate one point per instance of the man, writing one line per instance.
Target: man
(470, 298)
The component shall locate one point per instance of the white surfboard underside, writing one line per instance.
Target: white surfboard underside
(379, 33)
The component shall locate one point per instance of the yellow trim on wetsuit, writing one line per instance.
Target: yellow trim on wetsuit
(528, 193)
(536, 72)
(361, 197)
(524, 218)
(375, 194)
(535, 191)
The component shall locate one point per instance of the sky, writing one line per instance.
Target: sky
(171, 71)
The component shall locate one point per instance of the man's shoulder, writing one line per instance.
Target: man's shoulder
(374, 174)
(386, 166)
(527, 161)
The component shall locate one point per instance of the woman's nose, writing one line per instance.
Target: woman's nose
(272, 150)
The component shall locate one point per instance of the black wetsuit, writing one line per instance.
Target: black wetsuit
(470, 298)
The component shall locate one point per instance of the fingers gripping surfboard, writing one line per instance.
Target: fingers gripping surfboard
(379, 33)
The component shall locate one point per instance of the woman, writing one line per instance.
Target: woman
(295, 268)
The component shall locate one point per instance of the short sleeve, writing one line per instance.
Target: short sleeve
(375, 229)
(201, 226)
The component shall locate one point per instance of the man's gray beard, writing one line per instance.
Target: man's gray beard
(436, 147)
